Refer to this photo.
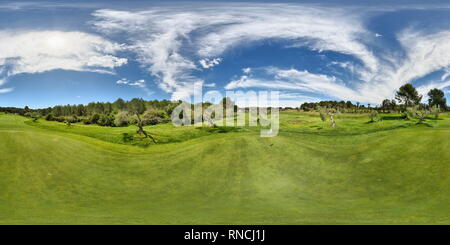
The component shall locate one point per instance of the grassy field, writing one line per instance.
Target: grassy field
(387, 172)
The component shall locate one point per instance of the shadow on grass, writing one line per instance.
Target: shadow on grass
(392, 117)
(220, 129)
(424, 124)
(434, 118)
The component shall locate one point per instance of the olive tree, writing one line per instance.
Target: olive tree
(137, 107)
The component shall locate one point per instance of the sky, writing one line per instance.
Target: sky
(73, 52)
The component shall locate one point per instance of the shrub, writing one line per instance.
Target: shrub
(49, 117)
(435, 110)
(323, 113)
(373, 115)
(410, 113)
(94, 118)
(416, 112)
(59, 119)
(33, 115)
(106, 120)
(153, 117)
(73, 119)
(126, 137)
(87, 121)
(122, 119)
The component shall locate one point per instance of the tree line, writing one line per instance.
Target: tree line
(406, 97)
(118, 113)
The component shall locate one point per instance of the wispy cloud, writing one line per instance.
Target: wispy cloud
(160, 36)
(292, 79)
(174, 43)
(424, 89)
(138, 83)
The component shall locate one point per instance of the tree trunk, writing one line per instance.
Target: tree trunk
(333, 122)
(141, 130)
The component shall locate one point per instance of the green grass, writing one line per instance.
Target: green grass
(387, 172)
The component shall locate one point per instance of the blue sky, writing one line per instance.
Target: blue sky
(78, 52)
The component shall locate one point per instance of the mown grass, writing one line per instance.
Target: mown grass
(387, 172)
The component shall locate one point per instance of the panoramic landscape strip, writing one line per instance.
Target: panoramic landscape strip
(224, 113)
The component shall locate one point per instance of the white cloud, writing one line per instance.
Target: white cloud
(5, 90)
(292, 79)
(285, 99)
(161, 36)
(446, 74)
(40, 51)
(424, 53)
(424, 89)
(138, 83)
(246, 70)
(122, 81)
(172, 41)
(208, 63)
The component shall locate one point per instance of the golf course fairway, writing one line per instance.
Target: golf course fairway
(387, 172)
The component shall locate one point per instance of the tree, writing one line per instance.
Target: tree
(437, 98)
(385, 105)
(373, 115)
(322, 113)
(26, 109)
(393, 105)
(333, 122)
(435, 110)
(120, 104)
(408, 95)
(416, 112)
(137, 107)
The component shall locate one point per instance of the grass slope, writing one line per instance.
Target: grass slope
(388, 172)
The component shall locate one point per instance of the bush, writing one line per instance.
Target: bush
(122, 119)
(73, 119)
(34, 115)
(106, 120)
(323, 113)
(153, 117)
(126, 137)
(435, 110)
(373, 115)
(410, 113)
(87, 121)
(59, 119)
(49, 117)
(94, 118)
(416, 112)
